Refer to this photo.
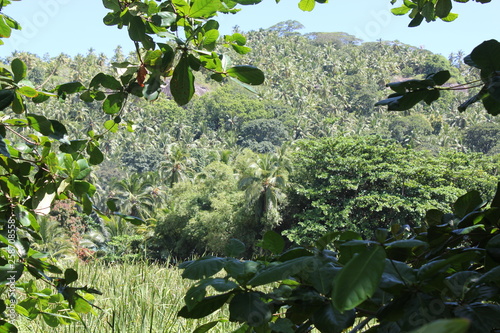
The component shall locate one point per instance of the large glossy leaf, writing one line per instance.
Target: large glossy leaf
(359, 279)
(203, 268)
(40, 124)
(467, 203)
(281, 271)
(207, 306)
(247, 74)
(182, 83)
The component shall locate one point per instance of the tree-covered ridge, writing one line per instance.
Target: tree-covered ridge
(182, 169)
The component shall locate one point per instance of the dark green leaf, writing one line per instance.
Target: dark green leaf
(203, 268)
(107, 81)
(443, 8)
(136, 28)
(182, 83)
(281, 271)
(206, 327)
(207, 306)
(6, 98)
(70, 275)
(247, 74)
(329, 320)
(249, 308)
(18, 105)
(467, 203)
(273, 242)
(18, 69)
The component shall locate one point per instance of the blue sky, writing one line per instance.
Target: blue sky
(74, 26)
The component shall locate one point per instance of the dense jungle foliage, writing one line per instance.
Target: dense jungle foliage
(384, 215)
(308, 153)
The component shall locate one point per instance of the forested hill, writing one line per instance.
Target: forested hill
(185, 170)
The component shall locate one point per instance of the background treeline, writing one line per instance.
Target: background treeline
(306, 153)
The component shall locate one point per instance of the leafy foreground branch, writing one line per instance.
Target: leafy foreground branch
(440, 277)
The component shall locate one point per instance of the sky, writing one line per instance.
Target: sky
(74, 26)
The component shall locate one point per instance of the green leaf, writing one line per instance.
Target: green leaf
(136, 28)
(400, 10)
(105, 80)
(203, 268)
(24, 216)
(182, 82)
(5, 30)
(247, 74)
(111, 204)
(485, 56)
(6, 327)
(467, 203)
(69, 88)
(40, 124)
(281, 271)
(206, 327)
(163, 19)
(329, 320)
(445, 326)
(6, 98)
(207, 306)
(359, 279)
(443, 8)
(273, 242)
(70, 275)
(114, 103)
(112, 4)
(18, 105)
(18, 69)
(28, 91)
(111, 126)
(406, 243)
(204, 8)
(249, 308)
(307, 5)
(10, 272)
(95, 155)
(152, 87)
(234, 248)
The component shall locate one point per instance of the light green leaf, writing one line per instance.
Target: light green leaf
(204, 8)
(307, 5)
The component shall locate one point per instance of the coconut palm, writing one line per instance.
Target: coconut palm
(263, 183)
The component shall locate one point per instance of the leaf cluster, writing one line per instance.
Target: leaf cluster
(440, 276)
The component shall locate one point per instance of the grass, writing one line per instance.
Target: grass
(137, 297)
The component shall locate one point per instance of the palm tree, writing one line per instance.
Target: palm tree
(136, 194)
(263, 183)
